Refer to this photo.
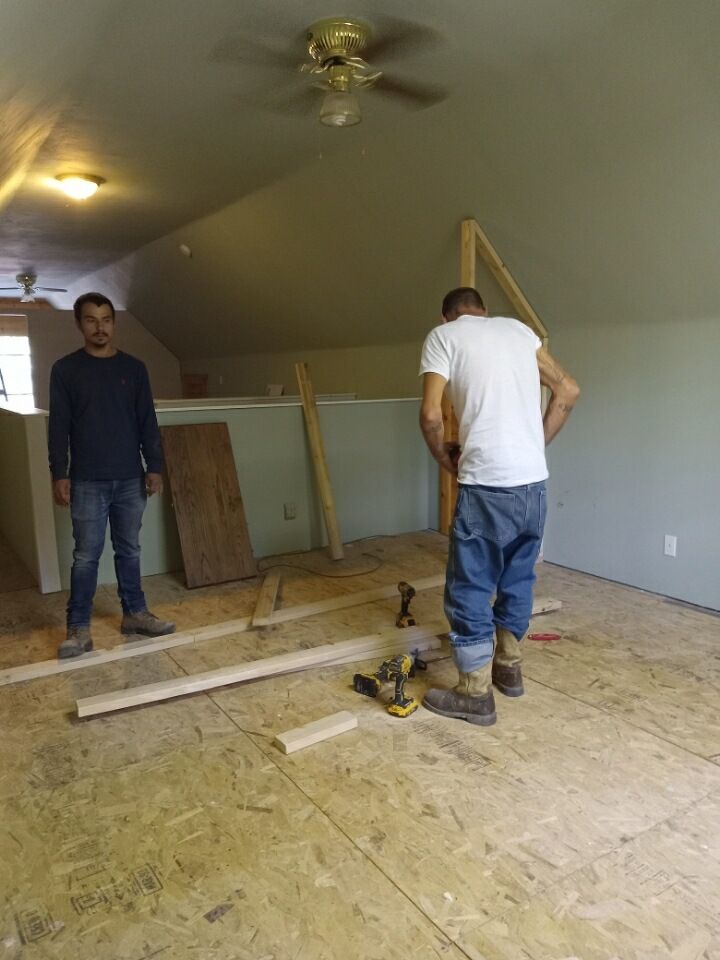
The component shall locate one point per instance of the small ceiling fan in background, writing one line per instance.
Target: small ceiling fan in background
(27, 282)
(334, 45)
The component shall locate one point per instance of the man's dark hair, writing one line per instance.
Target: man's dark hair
(461, 297)
(99, 299)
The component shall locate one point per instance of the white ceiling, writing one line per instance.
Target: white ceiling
(583, 134)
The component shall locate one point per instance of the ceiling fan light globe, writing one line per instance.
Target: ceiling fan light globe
(78, 186)
(340, 109)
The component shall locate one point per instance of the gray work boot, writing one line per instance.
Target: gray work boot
(146, 624)
(506, 669)
(472, 699)
(76, 642)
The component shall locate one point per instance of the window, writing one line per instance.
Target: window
(15, 369)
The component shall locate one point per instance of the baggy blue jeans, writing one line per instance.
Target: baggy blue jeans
(92, 503)
(494, 545)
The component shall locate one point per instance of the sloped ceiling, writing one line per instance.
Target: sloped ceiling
(583, 136)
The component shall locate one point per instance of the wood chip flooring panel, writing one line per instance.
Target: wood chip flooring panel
(655, 898)
(470, 822)
(43, 745)
(670, 688)
(207, 853)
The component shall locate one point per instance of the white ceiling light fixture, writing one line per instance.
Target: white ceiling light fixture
(79, 186)
(340, 109)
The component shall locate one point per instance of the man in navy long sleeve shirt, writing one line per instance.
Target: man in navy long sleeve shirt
(102, 413)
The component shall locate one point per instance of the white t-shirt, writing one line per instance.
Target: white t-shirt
(490, 364)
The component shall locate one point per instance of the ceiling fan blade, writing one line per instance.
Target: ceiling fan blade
(16, 287)
(299, 104)
(395, 39)
(417, 96)
(238, 49)
(53, 289)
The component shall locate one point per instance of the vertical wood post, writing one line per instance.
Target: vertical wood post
(317, 450)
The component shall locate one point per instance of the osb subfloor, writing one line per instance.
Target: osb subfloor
(584, 826)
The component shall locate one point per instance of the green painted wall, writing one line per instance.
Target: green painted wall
(640, 457)
(384, 481)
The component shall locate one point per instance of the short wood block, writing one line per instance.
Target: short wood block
(315, 732)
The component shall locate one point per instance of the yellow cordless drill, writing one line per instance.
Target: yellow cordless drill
(397, 669)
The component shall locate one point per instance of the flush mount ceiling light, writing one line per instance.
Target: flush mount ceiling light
(78, 186)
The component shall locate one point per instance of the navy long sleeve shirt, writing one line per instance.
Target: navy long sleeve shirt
(101, 410)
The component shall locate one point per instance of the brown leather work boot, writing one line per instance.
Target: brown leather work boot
(146, 624)
(472, 699)
(76, 642)
(506, 669)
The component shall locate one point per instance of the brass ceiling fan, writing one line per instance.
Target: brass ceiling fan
(335, 45)
(27, 282)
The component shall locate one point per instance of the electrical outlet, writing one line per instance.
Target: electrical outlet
(289, 511)
(670, 545)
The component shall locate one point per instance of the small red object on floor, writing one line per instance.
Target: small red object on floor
(543, 637)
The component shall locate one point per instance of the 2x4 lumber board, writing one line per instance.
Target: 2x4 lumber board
(352, 600)
(505, 279)
(49, 668)
(329, 653)
(317, 450)
(316, 732)
(448, 486)
(266, 599)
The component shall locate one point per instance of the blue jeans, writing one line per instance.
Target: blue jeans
(494, 545)
(92, 503)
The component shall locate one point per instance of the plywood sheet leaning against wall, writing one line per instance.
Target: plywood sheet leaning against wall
(208, 506)
(473, 243)
(317, 450)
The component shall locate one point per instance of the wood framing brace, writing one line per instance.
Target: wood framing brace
(360, 648)
(316, 732)
(474, 242)
(266, 599)
(317, 450)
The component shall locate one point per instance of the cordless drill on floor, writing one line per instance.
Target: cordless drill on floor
(398, 669)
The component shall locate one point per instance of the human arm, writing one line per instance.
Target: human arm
(431, 421)
(59, 437)
(150, 441)
(564, 393)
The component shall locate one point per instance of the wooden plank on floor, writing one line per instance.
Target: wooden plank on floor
(266, 599)
(317, 450)
(316, 732)
(352, 600)
(48, 668)
(412, 638)
(208, 506)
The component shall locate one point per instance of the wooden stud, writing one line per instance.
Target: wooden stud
(46, 668)
(266, 599)
(473, 242)
(49, 668)
(361, 648)
(505, 279)
(315, 732)
(312, 423)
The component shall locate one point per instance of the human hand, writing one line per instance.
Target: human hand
(450, 457)
(153, 483)
(61, 492)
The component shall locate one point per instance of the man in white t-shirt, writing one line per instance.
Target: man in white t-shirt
(493, 368)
